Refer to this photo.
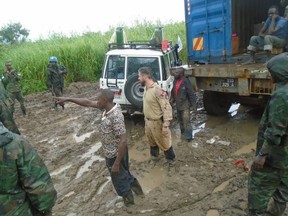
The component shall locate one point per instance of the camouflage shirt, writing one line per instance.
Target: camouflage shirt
(55, 75)
(25, 183)
(3, 93)
(6, 116)
(11, 81)
(156, 104)
(273, 130)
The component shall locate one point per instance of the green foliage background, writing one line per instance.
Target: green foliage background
(83, 54)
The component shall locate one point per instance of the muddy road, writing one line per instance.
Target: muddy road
(205, 180)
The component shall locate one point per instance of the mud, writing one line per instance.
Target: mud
(203, 182)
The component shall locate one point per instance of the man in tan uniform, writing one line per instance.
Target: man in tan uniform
(158, 114)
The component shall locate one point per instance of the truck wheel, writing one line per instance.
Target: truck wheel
(216, 103)
(134, 91)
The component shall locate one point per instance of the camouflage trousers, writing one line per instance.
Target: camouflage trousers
(6, 118)
(153, 132)
(56, 92)
(267, 184)
(19, 97)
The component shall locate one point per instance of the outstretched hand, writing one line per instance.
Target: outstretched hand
(59, 100)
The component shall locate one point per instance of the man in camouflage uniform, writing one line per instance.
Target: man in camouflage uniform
(6, 116)
(269, 172)
(26, 187)
(113, 137)
(158, 114)
(55, 79)
(11, 82)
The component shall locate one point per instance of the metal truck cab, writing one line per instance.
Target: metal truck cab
(120, 71)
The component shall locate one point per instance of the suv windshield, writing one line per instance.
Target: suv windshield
(116, 66)
(134, 63)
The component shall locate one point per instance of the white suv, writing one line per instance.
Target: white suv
(120, 71)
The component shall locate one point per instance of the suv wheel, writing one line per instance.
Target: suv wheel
(134, 91)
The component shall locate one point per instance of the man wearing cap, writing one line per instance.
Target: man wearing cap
(26, 187)
(158, 114)
(11, 81)
(268, 177)
(55, 79)
(185, 99)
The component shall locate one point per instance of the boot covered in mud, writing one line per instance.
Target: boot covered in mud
(154, 152)
(170, 155)
(128, 199)
(276, 206)
(136, 188)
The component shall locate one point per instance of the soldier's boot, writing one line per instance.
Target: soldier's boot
(128, 199)
(55, 107)
(170, 156)
(23, 111)
(154, 152)
(136, 187)
(276, 208)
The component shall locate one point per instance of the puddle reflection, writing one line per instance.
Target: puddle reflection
(60, 170)
(246, 149)
(82, 137)
(153, 179)
(101, 188)
(90, 154)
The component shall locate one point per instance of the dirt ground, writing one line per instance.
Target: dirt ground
(205, 180)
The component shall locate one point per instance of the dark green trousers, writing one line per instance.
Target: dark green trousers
(267, 184)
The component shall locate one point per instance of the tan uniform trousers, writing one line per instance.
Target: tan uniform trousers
(153, 131)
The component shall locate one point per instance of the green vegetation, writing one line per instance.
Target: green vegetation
(83, 55)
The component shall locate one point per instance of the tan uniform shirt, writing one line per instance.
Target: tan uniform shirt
(156, 104)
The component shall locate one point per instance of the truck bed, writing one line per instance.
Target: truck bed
(232, 70)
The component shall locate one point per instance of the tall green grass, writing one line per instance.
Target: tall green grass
(83, 54)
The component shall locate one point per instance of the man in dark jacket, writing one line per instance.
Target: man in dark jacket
(26, 187)
(269, 172)
(55, 79)
(183, 95)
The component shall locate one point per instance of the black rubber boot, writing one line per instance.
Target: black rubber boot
(136, 187)
(154, 151)
(128, 199)
(169, 154)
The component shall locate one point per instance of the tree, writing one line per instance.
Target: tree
(13, 33)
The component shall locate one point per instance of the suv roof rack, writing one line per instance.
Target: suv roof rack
(119, 41)
(135, 45)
